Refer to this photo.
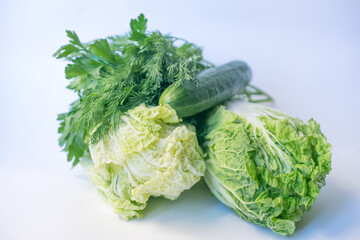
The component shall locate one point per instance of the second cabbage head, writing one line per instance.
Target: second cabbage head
(266, 166)
(150, 154)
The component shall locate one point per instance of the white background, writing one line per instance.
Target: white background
(304, 53)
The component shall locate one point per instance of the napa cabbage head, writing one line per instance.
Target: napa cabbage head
(266, 166)
(150, 154)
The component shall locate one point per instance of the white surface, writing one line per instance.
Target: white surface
(304, 53)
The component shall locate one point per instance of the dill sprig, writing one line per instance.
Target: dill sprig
(118, 73)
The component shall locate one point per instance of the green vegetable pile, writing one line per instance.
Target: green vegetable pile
(152, 117)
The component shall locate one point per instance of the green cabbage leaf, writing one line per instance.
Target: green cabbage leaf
(151, 153)
(266, 166)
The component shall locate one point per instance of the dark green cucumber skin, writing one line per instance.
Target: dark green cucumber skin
(214, 86)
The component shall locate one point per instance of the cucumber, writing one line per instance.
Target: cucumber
(213, 86)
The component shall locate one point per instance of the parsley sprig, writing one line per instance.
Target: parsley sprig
(118, 73)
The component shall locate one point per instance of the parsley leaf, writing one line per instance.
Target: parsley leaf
(138, 28)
